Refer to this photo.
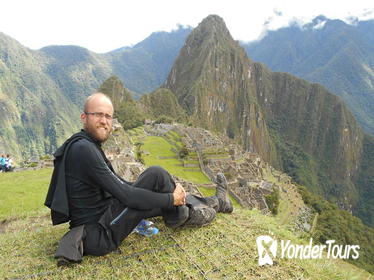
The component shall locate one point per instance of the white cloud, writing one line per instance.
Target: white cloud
(105, 25)
(319, 25)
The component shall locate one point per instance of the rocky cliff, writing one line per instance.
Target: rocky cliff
(318, 140)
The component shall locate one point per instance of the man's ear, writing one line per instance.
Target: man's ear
(83, 118)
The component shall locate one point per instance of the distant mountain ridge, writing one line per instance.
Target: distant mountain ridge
(145, 66)
(41, 92)
(333, 53)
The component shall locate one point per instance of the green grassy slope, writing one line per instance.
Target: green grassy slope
(225, 249)
(163, 151)
(23, 193)
(159, 147)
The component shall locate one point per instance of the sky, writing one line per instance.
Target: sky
(105, 25)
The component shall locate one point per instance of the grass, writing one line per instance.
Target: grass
(174, 138)
(158, 147)
(23, 192)
(226, 249)
(290, 205)
(136, 134)
(138, 131)
(206, 191)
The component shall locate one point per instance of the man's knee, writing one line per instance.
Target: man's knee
(156, 170)
(157, 179)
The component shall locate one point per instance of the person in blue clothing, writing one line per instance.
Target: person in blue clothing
(2, 163)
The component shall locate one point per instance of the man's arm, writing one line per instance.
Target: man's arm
(96, 172)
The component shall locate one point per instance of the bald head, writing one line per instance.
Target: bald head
(97, 116)
(94, 98)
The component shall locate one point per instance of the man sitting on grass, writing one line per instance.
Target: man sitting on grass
(103, 208)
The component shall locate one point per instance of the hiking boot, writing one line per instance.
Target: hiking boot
(200, 216)
(176, 216)
(213, 202)
(225, 204)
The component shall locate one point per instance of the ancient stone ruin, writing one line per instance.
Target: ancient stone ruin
(245, 171)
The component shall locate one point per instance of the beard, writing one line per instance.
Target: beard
(99, 132)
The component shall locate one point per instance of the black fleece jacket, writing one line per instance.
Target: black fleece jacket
(91, 184)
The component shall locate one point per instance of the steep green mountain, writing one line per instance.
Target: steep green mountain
(212, 81)
(115, 89)
(35, 115)
(42, 92)
(131, 113)
(330, 52)
(76, 71)
(298, 126)
(365, 182)
(128, 112)
(162, 102)
(332, 223)
(318, 141)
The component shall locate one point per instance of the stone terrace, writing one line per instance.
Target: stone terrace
(243, 170)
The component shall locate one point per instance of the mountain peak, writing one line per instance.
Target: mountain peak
(319, 18)
(208, 51)
(213, 20)
(212, 24)
(116, 90)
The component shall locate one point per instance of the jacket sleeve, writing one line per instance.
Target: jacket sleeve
(97, 173)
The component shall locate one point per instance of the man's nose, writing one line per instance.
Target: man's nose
(103, 120)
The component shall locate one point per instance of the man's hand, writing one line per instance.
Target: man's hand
(179, 195)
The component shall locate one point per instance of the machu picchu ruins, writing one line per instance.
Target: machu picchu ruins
(247, 174)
